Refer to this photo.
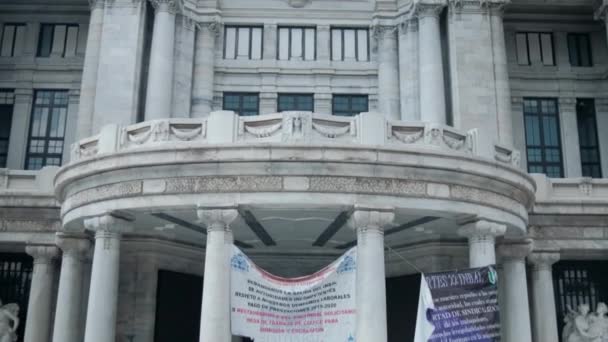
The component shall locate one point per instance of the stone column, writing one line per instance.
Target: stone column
(501, 75)
(88, 84)
(371, 284)
(204, 64)
(68, 313)
(408, 70)
(103, 294)
(39, 309)
(482, 236)
(160, 75)
(543, 296)
(215, 314)
(515, 315)
(388, 72)
(22, 111)
(600, 13)
(432, 85)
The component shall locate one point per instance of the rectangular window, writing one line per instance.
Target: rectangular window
(543, 143)
(587, 137)
(47, 129)
(244, 104)
(350, 44)
(349, 105)
(535, 48)
(297, 43)
(243, 42)
(6, 118)
(304, 102)
(13, 37)
(57, 40)
(579, 49)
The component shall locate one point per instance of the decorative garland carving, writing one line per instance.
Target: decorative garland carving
(331, 132)
(408, 138)
(263, 131)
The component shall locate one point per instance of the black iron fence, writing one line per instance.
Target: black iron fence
(15, 279)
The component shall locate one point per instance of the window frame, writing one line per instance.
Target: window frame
(290, 28)
(296, 97)
(241, 95)
(7, 104)
(236, 41)
(350, 98)
(597, 146)
(46, 137)
(342, 29)
(543, 163)
(578, 36)
(542, 55)
(15, 25)
(65, 38)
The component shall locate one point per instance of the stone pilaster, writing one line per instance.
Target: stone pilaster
(215, 313)
(38, 321)
(160, 74)
(543, 297)
(482, 236)
(570, 140)
(409, 78)
(204, 64)
(369, 224)
(88, 85)
(22, 110)
(103, 294)
(515, 315)
(388, 77)
(432, 85)
(69, 323)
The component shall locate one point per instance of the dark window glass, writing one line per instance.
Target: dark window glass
(543, 145)
(6, 118)
(535, 48)
(579, 48)
(244, 104)
(68, 40)
(45, 41)
(15, 280)
(11, 41)
(349, 105)
(304, 102)
(587, 137)
(47, 129)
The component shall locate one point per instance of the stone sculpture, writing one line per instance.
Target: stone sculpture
(9, 314)
(583, 326)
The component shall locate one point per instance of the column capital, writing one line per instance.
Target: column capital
(495, 7)
(515, 250)
(381, 32)
(110, 223)
(76, 245)
(408, 24)
(170, 6)
(213, 26)
(543, 259)
(428, 8)
(370, 218)
(42, 254)
(482, 229)
(217, 218)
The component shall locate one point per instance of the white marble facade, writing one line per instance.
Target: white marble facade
(436, 168)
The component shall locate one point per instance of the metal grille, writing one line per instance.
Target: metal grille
(579, 282)
(15, 280)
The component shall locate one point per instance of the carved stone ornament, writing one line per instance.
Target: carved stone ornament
(364, 219)
(214, 26)
(171, 6)
(482, 230)
(384, 32)
(217, 218)
(9, 322)
(585, 326)
(298, 3)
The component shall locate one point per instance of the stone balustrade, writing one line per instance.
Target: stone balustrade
(225, 127)
(570, 195)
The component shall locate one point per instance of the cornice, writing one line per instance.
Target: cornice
(495, 7)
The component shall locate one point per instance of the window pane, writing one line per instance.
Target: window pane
(543, 146)
(588, 142)
(584, 50)
(534, 48)
(46, 40)
(522, 49)
(547, 48)
(8, 37)
(71, 41)
(296, 43)
(349, 45)
(283, 44)
(256, 43)
(230, 43)
(336, 45)
(241, 103)
(243, 43)
(573, 50)
(362, 48)
(309, 44)
(19, 40)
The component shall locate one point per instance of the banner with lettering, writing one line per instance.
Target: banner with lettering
(464, 306)
(315, 308)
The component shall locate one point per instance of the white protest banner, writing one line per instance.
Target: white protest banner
(315, 308)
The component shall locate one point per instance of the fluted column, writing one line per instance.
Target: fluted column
(371, 284)
(160, 75)
(432, 85)
(215, 313)
(103, 294)
(68, 313)
(501, 74)
(38, 321)
(409, 87)
(515, 313)
(482, 236)
(543, 296)
(204, 64)
(388, 72)
(88, 84)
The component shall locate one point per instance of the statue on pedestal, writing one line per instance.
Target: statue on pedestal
(583, 326)
(9, 322)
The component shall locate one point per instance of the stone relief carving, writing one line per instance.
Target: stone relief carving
(583, 326)
(162, 130)
(432, 135)
(298, 3)
(507, 156)
(586, 186)
(9, 322)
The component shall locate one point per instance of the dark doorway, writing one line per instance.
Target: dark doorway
(401, 307)
(15, 280)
